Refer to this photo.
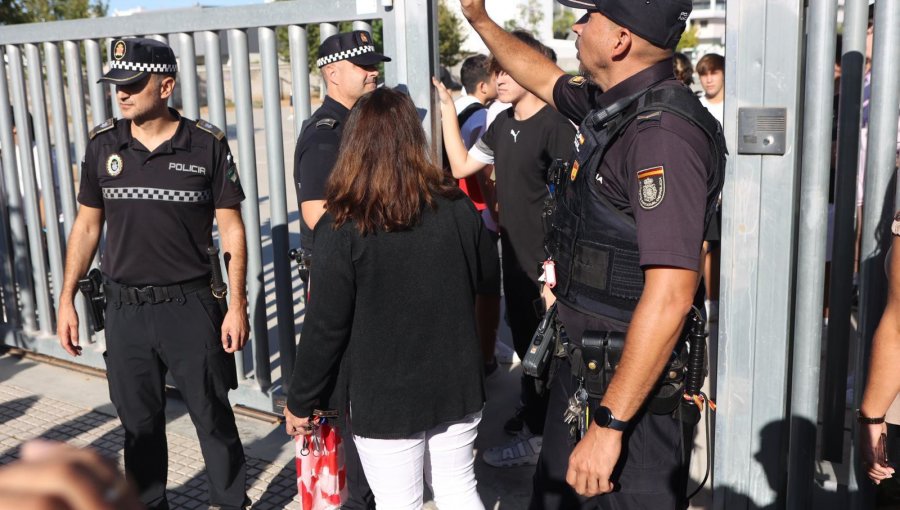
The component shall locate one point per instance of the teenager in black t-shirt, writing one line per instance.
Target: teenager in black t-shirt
(521, 143)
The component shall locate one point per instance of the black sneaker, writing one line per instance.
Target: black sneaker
(516, 423)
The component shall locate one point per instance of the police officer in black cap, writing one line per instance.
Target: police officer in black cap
(625, 246)
(158, 180)
(348, 63)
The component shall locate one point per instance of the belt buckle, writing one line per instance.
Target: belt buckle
(145, 294)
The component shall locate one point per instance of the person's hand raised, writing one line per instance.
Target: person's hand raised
(473, 10)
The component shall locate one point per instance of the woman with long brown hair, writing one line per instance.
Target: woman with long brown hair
(399, 254)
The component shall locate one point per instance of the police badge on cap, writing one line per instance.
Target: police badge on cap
(356, 46)
(133, 59)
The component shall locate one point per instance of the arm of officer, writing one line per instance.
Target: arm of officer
(80, 250)
(537, 73)
(656, 324)
(235, 327)
(883, 383)
(461, 165)
(314, 157)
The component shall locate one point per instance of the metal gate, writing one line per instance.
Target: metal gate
(51, 76)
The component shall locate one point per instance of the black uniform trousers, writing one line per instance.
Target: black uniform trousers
(650, 474)
(524, 310)
(180, 336)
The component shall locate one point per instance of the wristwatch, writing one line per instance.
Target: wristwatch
(865, 420)
(603, 417)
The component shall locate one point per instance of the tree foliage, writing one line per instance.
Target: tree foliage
(562, 24)
(36, 11)
(531, 14)
(689, 39)
(450, 36)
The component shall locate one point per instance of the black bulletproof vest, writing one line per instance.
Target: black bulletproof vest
(593, 243)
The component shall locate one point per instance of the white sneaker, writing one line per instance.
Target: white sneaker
(504, 353)
(524, 450)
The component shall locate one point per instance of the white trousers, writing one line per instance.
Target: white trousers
(444, 454)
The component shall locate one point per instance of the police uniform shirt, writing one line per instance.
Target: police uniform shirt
(159, 206)
(660, 146)
(522, 152)
(316, 153)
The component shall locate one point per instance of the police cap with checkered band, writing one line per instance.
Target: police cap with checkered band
(357, 46)
(130, 60)
(661, 22)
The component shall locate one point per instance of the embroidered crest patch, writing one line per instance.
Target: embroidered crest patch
(574, 173)
(895, 226)
(652, 186)
(114, 165)
(119, 50)
(232, 169)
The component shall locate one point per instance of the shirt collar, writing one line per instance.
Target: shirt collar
(339, 111)
(180, 140)
(637, 82)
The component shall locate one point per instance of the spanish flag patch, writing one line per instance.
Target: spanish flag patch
(652, 186)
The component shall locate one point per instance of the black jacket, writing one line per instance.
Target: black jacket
(402, 304)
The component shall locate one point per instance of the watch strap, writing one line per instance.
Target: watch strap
(865, 420)
(603, 413)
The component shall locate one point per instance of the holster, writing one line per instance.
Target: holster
(92, 288)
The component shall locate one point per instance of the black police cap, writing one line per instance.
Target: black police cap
(661, 22)
(356, 46)
(130, 60)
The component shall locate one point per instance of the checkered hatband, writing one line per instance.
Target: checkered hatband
(344, 55)
(148, 68)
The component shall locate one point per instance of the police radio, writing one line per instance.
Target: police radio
(537, 358)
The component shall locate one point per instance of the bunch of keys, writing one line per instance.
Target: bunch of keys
(577, 412)
(314, 436)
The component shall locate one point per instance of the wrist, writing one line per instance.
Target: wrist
(864, 418)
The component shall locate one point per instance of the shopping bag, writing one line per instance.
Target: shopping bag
(321, 473)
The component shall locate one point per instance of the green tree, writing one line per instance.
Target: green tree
(531, 14)
(11, 12)
(689, 39)
(562, 24)
(450, 36)
(35, 11)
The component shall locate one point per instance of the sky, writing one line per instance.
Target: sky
(169, 4)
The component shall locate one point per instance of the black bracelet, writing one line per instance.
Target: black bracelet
(865, 420)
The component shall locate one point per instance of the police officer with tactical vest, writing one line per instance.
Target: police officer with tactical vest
(158, 180)
(624, 252)
(348, 63)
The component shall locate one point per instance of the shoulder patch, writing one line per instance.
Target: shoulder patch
(577, 81)
(326, 124)
(648, 119)
(105, 126)
(211, 129)
(895, 226)
(652, 184)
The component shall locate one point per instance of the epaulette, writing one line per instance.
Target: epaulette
(326, 124)
(648, 119)
(211, 129)
(105, 126)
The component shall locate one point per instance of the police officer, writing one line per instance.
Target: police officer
(348, 63)
(158, 180)
(626, 243)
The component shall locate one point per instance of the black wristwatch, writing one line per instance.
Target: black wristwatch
(865, 420)
(603, 416)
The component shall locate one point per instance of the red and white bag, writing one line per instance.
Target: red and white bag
(321, 473)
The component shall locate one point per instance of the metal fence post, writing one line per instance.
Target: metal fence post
(284, 298)
(813, 229)
(878, 209)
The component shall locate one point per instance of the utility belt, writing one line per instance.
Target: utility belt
(118, 294)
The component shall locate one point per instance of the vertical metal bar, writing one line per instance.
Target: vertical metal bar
(111, 87)
(326, 30)
(17, 263)
(813, 229)
(284, 298)
(44, 167)
(63, 158)
(93, 58)
(76, 98)
(840, 294)
(419, 59)
(215, 97)
(187, 72)
(215, 86)
(60, 133)
(878, 208)
(256, 296)
(29, 189)
(362, 25)
(299, 43)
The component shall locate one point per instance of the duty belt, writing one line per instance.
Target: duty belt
(118, 293)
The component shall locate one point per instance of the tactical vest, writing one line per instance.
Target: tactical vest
(593, 243)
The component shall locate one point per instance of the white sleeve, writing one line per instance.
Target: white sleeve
(482, 153)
